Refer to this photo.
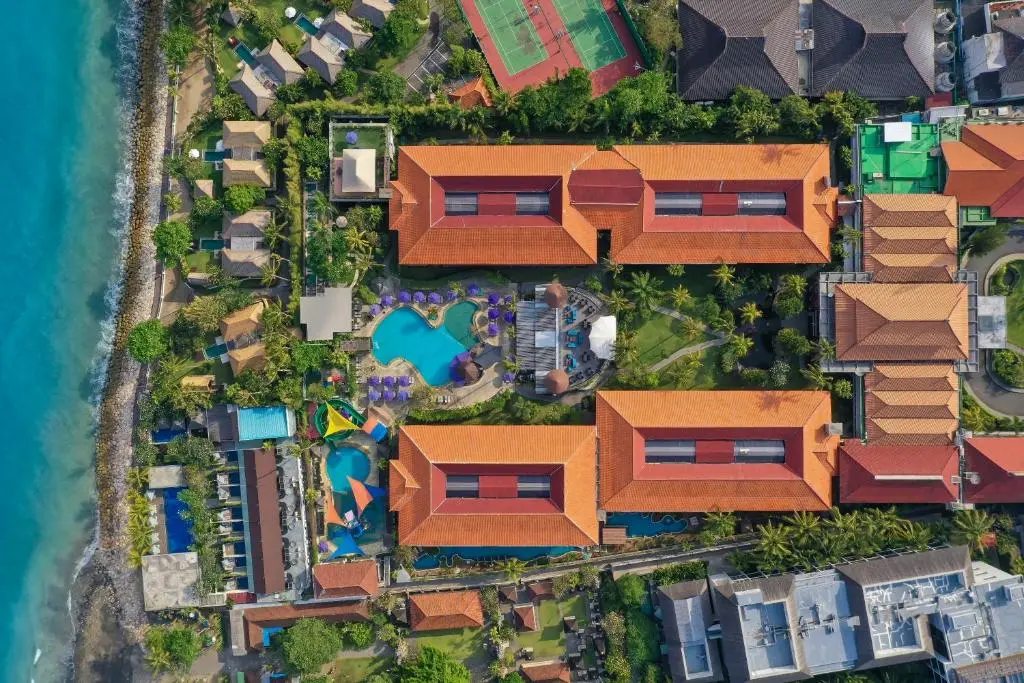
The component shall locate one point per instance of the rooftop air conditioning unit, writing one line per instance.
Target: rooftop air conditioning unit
(983, 111)
(1003, 111)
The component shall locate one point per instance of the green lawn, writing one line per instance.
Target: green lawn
(358, 669)
(576, 606)
(661, 336)
(1015, 303)
(465, 644)
(200, 261)
(369, 137)
(549, 640)
(291, 36)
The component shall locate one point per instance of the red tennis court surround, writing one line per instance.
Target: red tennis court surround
(561, 55)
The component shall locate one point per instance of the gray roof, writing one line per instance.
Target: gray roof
(882, 49)
(316, 55)
(221, 424)
(249, 224)
(1011, 77)
(726, 44)
(171, 581)
(244, 263)
(344, 28)
(686, 615)
(256, 95)
(275, 59)
(374, 11)
(327, 314)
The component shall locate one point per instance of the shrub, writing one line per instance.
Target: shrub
(357, 636)
(641, 639)
(843, 388)
(148, 341)
(386, 87)
(205, 210)
(632, 590)
(778, 374)
(792, 343)
(1009, 367)
(241, 198)
(755, 377)
(173, 241)
(145, 453)
(681, 571)
(346, 84)
(310, 644)
(178, 44)
(788, 305)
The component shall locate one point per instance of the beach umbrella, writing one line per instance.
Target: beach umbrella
(389, 395)
(387, 300)
(459, 383)
(351, 137)
(602, 337)
(492, 329)
(404, 381)
(404, 297)
(389, 381)
(374, 381)
(508, 299)
(290, 12)
(473, 290)
(322, 546)
(510, 316)
(403, 395)
(374, 395)
(419, 297)
(493, 298)
(508, 377)
(493, 313)
(375, 310)
(359, 492)
(434, 298)
(452, 295)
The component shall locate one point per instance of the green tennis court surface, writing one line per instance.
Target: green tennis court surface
(513, 34)
(591, 32)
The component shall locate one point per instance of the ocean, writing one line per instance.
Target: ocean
(62, 203)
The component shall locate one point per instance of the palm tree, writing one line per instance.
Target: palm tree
(158, 659)
(646, 290)
(357, 238)
(774, 547)
(617, 302)
(692, 327)
(268, 271)
(627, 350)
(724, 275)
(722, 524)
(513, 568)
(805, 525)
(971, 528)
(322, 207)
(816, 376)
(914, 536)
(749, 313)
(610, 266)
(826, 349)
(794, 284)
(680, 297)
(138, 477)
(676, 270)
(740, 345)
(1016, 425)
(273, 233)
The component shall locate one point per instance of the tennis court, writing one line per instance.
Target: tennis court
(591, 32)
(513, 34)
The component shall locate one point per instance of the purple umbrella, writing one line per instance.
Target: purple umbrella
(510, 316)
(374, 395)
(375, 310)
(434, 298)
(508, 377)
(389, 381)
(493, 313)
(493, 298)
(492, 329)
(508, 298)
(322, 546)
(351, 137)
(451, 295)
(463, 357)
(419, 297)
(404, 297)
(403, 395)
(473, 290)
(387, 300)
(389, 395)
(374, 381)
(404, 381)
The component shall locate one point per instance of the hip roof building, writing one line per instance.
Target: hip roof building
(986, 168)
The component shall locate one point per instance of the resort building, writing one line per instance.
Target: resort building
(327, 313)
(254, 90)
(445, 610)
(243, 153)
(495, 485)
(910, 237)
(898, 474)
(342, 32)
(986, 167)
(279, 65)
(362, 154)
(697, 451)
(550, 671)
(252, 627)
(993, 470)
(374, 11)
(321, 56)
(256, 84)
(244, 324)
(471, 94)
(246, 232)
(346, 580)
(244, 263)
(964, 617)
(545, 204)
(252, 357)
(881, 49)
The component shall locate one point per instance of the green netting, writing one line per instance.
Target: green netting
(899, 167)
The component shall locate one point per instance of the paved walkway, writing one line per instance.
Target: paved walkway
(981, 386)
(686, 350)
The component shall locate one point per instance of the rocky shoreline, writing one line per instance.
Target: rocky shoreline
(107, 595)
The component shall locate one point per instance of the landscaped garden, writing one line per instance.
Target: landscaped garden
(467, 645)
(1008, 281)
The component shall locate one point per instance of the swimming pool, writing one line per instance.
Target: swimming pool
(265, 422)
(246, 54)
(214, 155)
(179, 531)
(215, 351)
(344, 462)
(210, 244)
(489, 553)
(306, 25)
(643, 524)
(404, 333)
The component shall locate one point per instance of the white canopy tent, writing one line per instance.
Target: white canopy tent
(602, 337)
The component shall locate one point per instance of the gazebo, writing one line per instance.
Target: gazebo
(556, 295)
(557, 381)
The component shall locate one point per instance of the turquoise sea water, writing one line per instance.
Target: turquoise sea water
(59, 136)
(403, 333)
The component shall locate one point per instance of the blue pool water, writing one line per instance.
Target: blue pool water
(216, 351)
(265, 422)
(245, 53)
(179, 531)
(404, 333)
(214, 155)
(640, 524)
(343, 462)
(489, 553)
(306, 25)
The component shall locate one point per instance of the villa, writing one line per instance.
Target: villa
(374, 11)
(252, 357)
(346, 580)
(963, 617)
(986, 167)
(319, 56)
(246, 232)
(443, 611)
(243, 160)
(696, 451)
(252, 627)
(244, 264)
(545, 204)
(838, 45)
(255, 91)
(342, 31)
(495, 485)
(280, 65)
(274, 67)
(474, 93)
(553, 671)
(242, 323)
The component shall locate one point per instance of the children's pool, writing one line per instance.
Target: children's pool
(404, 333)
(445, 556)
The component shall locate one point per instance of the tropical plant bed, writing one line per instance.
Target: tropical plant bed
(290, 35)
(1012, 277)
(1009, 367)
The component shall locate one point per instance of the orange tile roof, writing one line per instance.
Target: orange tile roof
(986, 168)
(910, 237)
(472, 94)
(555, 671)
(440, 611)
(345, 579)
(425, 518)
(799, 418)
(526, 617)
(898, 474)
(911, 404)
(258, 618)
(901, 321)
(428, 237)
(998, 462)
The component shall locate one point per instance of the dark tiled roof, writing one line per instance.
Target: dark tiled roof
(882, 49)
(726, 44)
(264, 521)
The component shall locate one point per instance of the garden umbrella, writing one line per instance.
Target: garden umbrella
(602, 337)
(389, 381)
(493, 313)
(374, 380)
(389, 395)
(473, 290)
(403, 395)
(434, 298)
(492, 329)
(387, 300)
(375, 310)
(404, 297)
(322, 546)
(493, 298)
(452, 295)
(508, 299)
(510, 316)
(374, 395)
(404, 381)
(508, 377)
(419, 297)
(351, 137)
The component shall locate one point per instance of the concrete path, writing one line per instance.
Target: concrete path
(686, 350)
(981, 386)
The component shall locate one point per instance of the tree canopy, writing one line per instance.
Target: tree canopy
(148, 341)
(433, 666)
(309, 645)
(173, 241)
(241, 198)
(178, 44)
